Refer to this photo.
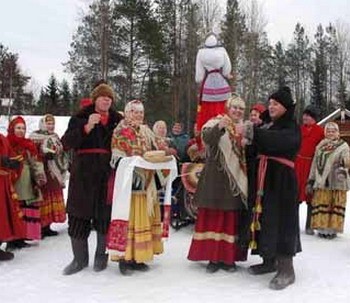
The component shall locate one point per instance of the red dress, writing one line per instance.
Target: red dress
(310, 137)
(12, 226)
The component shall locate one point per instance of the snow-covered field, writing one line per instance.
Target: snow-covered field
(35, 275)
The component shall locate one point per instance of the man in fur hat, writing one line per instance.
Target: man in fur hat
(311, 135)
(89, 133)
(275, 224)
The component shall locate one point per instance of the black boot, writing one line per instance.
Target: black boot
(81, 257)
(212, 267)
(6, 255)
(125, 268)
(139, 266)
(48, 232)
(308, 229)
(268, 265)
(101, 258)
(17, 244)
(228, 267)
(285, 273)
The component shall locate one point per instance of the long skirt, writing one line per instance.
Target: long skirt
(215, 237)
(11, 224)
(144, 231)
(31, 217)
(328, 210)
(52, 209)
(207, 111)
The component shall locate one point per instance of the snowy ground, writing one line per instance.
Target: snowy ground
(322, 272)
(35, 275)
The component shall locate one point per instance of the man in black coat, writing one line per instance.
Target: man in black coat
(275, 224)
(89, 134)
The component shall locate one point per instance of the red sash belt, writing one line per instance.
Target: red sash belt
(260, 192)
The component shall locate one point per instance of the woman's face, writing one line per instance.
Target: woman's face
(50, 126)
(20, 130)
(255, 116)
(235, 113)
(331, 133)
(276, 109)
(103, 104)
(161, 130)
(137, 116)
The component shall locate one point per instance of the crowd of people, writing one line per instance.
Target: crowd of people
(256, 174)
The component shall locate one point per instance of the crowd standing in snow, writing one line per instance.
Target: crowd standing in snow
(255, 175)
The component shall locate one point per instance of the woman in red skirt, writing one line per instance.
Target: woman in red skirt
(50, 148)
(221, 193)
(12, 226)
(213, 68)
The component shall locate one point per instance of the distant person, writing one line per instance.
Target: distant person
(255, 113)
(89, 133)
(213, 69)
(311, 135)
(31, 178)
(50, 148)
(179, 140)
(329, 182)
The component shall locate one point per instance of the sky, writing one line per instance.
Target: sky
(40, 31)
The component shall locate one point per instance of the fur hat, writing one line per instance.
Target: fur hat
(312, 111)
(284, 97)
(102, 90)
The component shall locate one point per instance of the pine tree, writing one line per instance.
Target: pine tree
(52, 95)
(65, 98)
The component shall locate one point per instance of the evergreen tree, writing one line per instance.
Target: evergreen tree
(65, 99)
(52, 95)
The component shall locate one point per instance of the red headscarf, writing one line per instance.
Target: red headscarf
(259, 107)
(20, 145)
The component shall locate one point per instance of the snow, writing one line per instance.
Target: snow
(35, 275)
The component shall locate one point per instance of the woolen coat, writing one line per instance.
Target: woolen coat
(89, 172)
(279, 234)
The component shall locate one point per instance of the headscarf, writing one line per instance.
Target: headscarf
(21, 146)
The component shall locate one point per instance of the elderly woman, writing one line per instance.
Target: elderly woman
(329, 180)
(132, 138)
(31, 178)
(55, 161)
(221, 193)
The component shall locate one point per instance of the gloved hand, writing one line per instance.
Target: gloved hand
(6, 162)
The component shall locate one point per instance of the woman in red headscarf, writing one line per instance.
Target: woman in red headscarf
(11, 226)
(31, 177)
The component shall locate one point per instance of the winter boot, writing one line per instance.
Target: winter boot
(139, 266)
(228, 267)
(285, 273)
(48, 232)
(6, 255)
(101, 258)
(81, 257)
(308, 229)
(212, 267)
(268, 265)
(125, 268)
(17, 244)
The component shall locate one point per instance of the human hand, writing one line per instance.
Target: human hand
(93, 120)
(224, 122)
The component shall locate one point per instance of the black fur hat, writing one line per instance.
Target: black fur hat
(283, 96)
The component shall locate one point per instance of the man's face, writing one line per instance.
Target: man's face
(177, 129)
(103, 104)
(308, 120)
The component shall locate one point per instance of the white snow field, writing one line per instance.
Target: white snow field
(35, 275)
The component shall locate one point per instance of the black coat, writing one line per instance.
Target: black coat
(279, 234)
(89, 172)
